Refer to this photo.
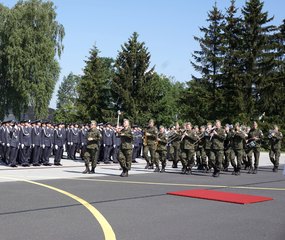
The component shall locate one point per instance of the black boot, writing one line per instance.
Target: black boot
(188, 171)
(156, 169)
(87, 169)
(92, 170)
(254, 171)
(250, 170)
(183, 170)
(147, 165)
(174, 165)
(150, 166)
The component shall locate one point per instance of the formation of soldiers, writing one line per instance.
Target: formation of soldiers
(209, 147)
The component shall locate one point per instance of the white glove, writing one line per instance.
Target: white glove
(43, 146)
(71, 143)
(68, 143)
(82, 144)
(33, 145)
(104, 145)
(56, 147)
(8, 144)
(4, 144)
(133, 145)
(51, 145)
(22, 145)
(114, 146)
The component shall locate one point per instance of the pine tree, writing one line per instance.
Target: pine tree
(95, 100)
(208, 60)
(133, 75)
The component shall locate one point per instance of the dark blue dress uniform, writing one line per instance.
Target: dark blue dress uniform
(83, 141)
(6, 143)
(1, 143)
(59, 141)
(14, 145)
(108, 143)
(47, 144)
(25, 145)
(117, 144)
(73, 140)
(36, 144)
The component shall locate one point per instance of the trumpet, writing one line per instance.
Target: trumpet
(271, 134)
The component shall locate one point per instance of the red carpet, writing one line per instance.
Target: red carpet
(221, 196)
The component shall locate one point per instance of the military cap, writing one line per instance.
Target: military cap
(93, 122)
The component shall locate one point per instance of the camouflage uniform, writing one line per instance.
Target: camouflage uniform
(275, 149)
(150, 135)
(218, 150)
(91, 154)
(188, 151)
(237, 144)
(161, 152)
(125, 154)
(254, 147)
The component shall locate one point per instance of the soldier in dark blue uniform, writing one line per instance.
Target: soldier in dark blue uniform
(36, 142)
(1, 141)
(6, 141)
(25, 143)
(108, 142)
(116, 150)
(47, 142)
(59, 141)
(73, 140)
(14, 144)
(83, 139)
(137, 135)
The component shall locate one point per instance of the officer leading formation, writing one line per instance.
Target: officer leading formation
(210, 148)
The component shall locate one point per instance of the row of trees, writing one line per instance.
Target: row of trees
(127, 83)
(239, 71)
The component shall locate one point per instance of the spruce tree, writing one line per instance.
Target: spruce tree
(132, 78)
(257, 57)
(95, 100)
(208, 60)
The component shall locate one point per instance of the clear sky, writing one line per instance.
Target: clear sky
(166, 26)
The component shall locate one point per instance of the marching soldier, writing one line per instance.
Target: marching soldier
(125, 154)
(228, 151)
(176, 145)
(93, 143)
(255, 136)
(275, 138)
(208, 147)
(238, 139)
(137, 141)
(218, 136)
(161, 150)
(188, 140)
(150, 137)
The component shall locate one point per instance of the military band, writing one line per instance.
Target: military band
(211, 148)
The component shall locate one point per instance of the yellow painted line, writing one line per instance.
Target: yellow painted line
(181, 184)
(106, 227)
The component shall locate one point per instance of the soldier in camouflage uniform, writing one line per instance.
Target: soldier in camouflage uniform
(125, 154)
(218, 136)
(189, 137)
(161, 150)
(176, 144)
(275, 138)
(207, 146)
(91, 154)
(255, 136)
(228, 147)
(238, 139)
(150, 141)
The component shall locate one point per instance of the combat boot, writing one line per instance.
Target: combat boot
(147, 165)
(183, 170)
(188, 171)
(250, 170)
(254, 171)
(92, 170)
(275, 169)
(174, 165)
(156, 169)
(87, 169)
(162, 168)
(150, 166)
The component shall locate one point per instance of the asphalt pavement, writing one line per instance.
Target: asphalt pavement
(62, 203)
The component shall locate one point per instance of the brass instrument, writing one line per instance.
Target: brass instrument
(271, 133)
